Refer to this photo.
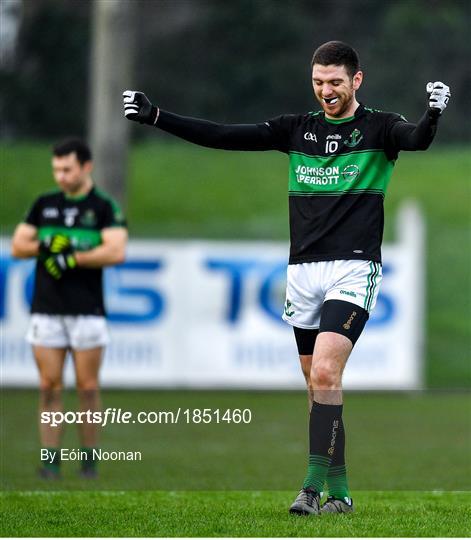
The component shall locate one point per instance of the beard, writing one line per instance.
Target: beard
(343, 104)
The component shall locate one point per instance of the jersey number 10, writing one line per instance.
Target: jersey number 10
(331, 147)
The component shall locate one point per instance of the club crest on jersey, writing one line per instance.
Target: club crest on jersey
(354, 138)
(70, 215)
(310, 136)
(88, 219)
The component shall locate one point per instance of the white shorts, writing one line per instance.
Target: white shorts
(78, 332)
(309, 285)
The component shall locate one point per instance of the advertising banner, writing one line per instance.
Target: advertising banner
(207, 314)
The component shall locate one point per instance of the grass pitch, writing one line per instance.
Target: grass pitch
(409, 441)
(408, 457)
(237, 513)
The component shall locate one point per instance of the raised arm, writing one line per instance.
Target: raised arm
(137, 107)
(409, 136)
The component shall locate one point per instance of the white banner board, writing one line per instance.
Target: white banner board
(205, 314)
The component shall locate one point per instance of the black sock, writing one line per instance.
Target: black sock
(324, 423)
(337, 475)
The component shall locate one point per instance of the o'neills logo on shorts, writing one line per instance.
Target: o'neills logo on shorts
(348, 293)
(348, 324)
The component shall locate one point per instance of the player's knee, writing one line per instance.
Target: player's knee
(87, 385)
(50, 396)
(324, 375)
(307, 378)
(47, 384)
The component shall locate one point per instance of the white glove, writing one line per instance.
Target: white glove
(439, 94)
(137, 107)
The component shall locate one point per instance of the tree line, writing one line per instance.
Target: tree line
(239, 61)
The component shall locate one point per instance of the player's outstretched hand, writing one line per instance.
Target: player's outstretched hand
(137, 107)
(439, 94)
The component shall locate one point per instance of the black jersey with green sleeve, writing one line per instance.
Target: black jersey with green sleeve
(339, 171)
(81, 219)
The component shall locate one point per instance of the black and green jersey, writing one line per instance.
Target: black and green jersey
(338, 171)
(79, 291)
(338, 175)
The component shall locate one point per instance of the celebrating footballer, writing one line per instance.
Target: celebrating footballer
(341, 159)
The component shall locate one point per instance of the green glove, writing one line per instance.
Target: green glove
(57, 264)
(59, 243)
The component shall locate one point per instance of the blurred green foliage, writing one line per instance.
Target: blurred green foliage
(239, 61)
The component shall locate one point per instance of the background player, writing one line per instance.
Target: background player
(341, 161)
(73, 232)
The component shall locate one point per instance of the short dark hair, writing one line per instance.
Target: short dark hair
(70, 145)
(337, 53)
